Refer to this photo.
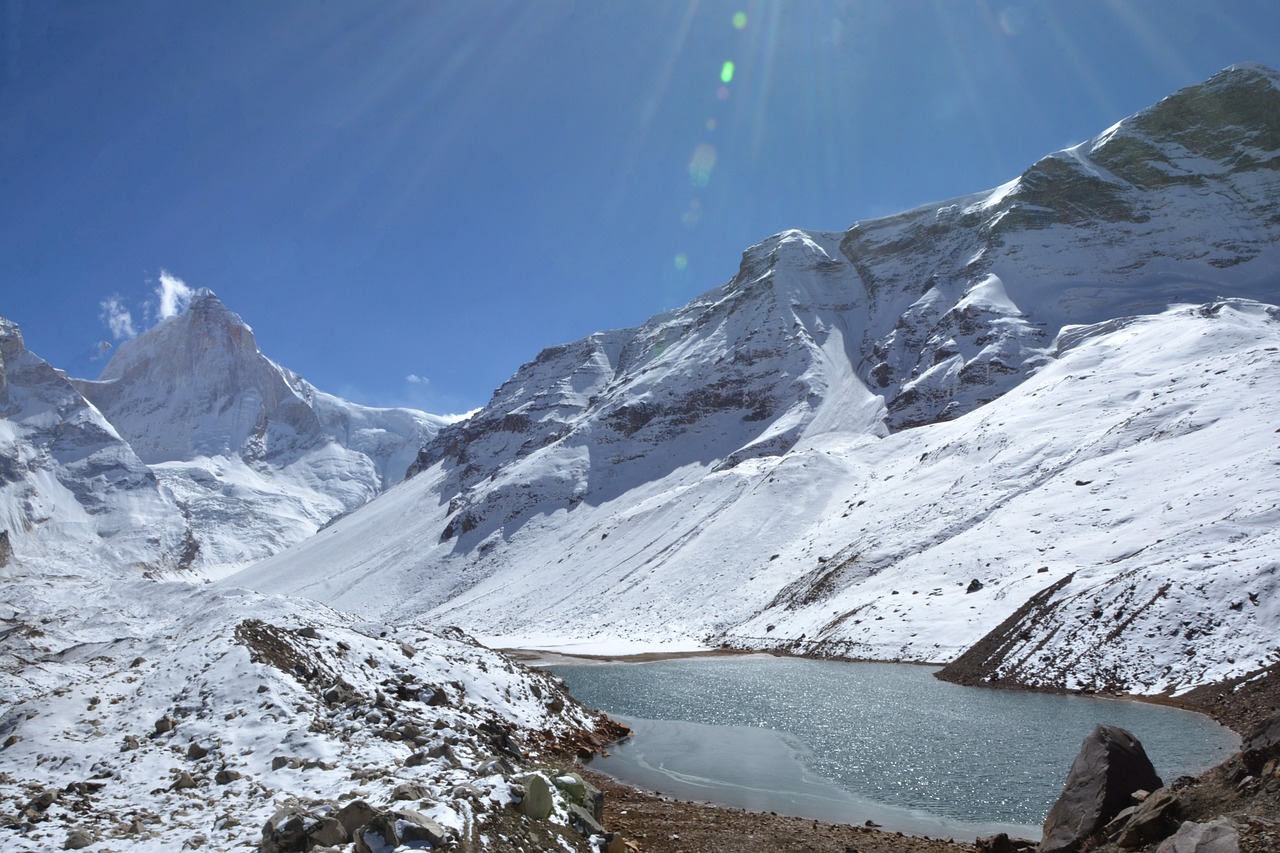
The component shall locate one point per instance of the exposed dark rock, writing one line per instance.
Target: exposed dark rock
(980, 663)
(1262, 744)
(974, 586)
(1110, 766)
(1154, 819)
(6, 549)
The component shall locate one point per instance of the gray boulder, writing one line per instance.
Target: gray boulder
(1110, 766)
(389, 830)
(1214, 837)
(537, 802)
(355, 814)
(298, 830)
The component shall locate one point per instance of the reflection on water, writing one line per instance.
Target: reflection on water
(852, 741)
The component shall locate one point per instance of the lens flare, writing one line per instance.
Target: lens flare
(739, 20)
(701, 164)
(682, 261)
(726, 73)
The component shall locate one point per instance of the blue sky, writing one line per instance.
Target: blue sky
(407, 200)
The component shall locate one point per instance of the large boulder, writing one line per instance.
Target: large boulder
(1111, 765)
(537, 802)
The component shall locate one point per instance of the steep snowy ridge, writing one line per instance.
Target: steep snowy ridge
(742, 469)
(256, 456)
(68, 483)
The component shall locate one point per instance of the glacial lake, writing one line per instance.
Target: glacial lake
(851, 742)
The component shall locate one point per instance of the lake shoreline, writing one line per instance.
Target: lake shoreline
(669, 824)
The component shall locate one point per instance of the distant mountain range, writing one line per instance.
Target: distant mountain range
(885, 442)
(1042, 415)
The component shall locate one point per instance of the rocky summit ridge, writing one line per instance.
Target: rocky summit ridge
(256, 456)
(866, 443)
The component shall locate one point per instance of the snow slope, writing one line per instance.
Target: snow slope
(887, 409)
(256, 457)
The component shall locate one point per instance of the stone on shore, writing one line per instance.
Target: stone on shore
(1110, 766)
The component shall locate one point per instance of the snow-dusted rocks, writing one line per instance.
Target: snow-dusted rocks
(256, 457)
(824, 454)
(169, 715)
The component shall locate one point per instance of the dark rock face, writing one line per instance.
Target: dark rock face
(1111, 765)
(1262, 744)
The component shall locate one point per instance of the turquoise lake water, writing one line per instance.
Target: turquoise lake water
(851, 742)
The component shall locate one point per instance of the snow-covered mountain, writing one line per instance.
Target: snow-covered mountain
(141, 710)
(69, 485)
(257, 458)
(903, 407)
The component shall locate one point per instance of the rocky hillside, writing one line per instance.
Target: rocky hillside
(256, 457)
(869, 442)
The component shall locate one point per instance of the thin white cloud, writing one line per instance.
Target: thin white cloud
(117, 318)
(417, 380)
(173, 294)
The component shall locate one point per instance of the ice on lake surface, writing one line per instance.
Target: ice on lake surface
(852, 742)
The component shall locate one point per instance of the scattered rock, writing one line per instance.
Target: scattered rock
(164, 725)
(998, 843)
(78, 839)
(226, 777)
(195, 751)
(1214, 837)
(182, 782)
(974, 586)
(409, 791)
(1110, 766)
(130, 742)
